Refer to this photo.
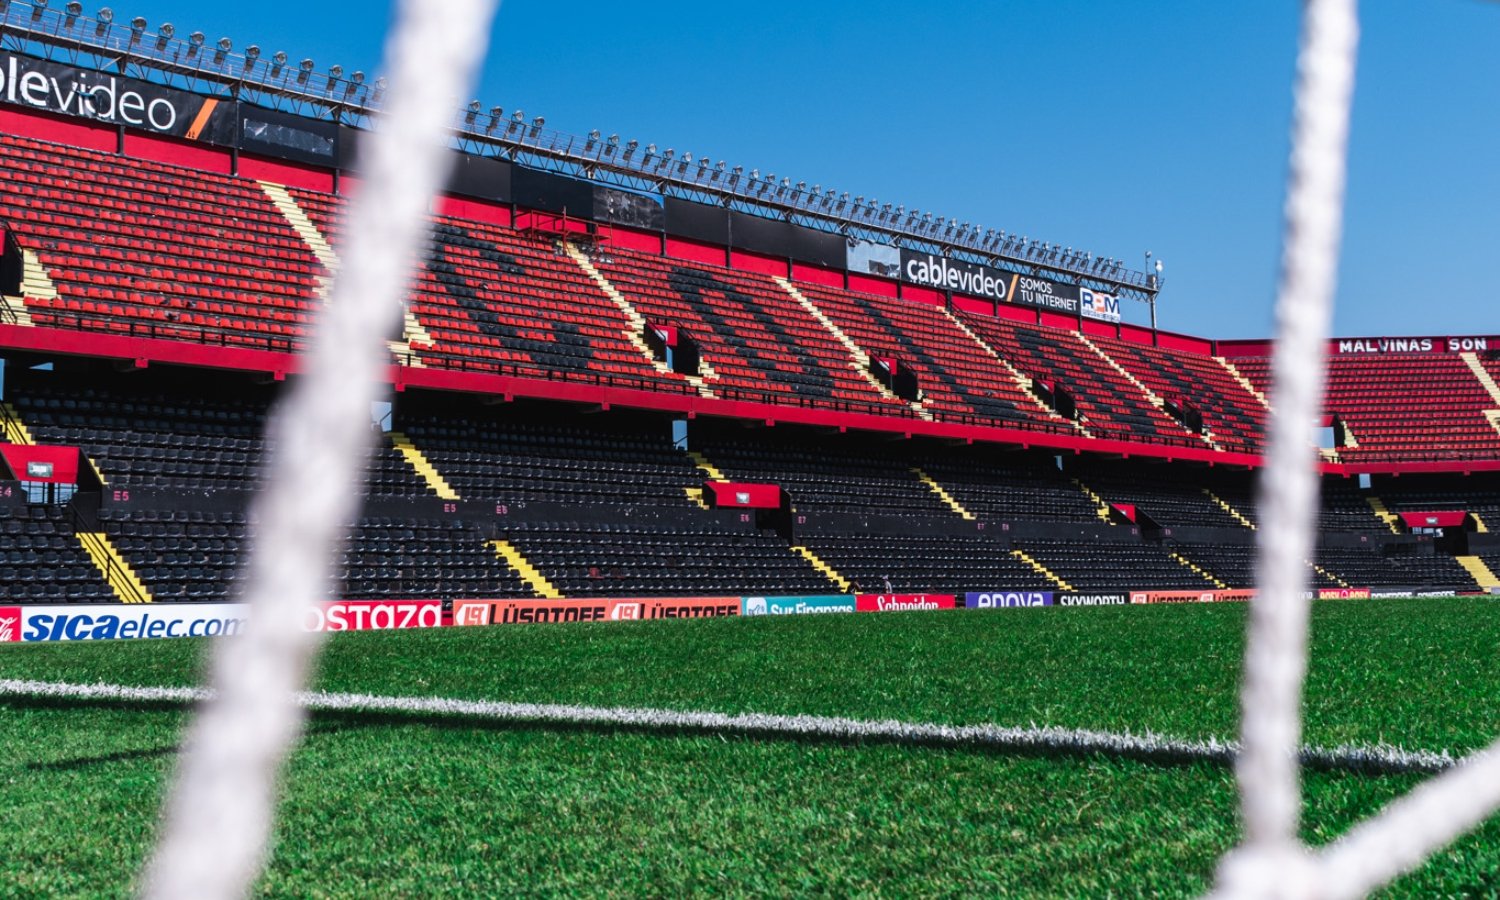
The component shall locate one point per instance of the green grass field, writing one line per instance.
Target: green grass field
(390, 805)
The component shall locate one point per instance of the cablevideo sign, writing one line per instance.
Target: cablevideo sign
(976, 280)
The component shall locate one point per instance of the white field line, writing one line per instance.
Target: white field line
(1032, 738)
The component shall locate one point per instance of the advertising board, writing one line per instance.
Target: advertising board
(114, 99)
(515, 612)
(1345, 593)
(798, 606)
(1006, 599)
(79, 622)
(1091, 599)
(374, 615)
(1000, 286)
(903, 602)
(1219, 596)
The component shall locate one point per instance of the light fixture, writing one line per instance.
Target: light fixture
(472, 114)
(536, 125)
(304, 70)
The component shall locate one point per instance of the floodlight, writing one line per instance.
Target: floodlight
(225, 45)
(196, 39)
(105, 16)
(137, 25)
(473, 112)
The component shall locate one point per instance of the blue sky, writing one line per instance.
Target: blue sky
(1109, 126)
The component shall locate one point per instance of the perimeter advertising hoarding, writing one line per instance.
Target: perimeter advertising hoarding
(374, 615)
(903, 602)
(513, 612)
(798, 606)
(1222, 596)
(115, 100)
(1344, 593)
(1091, 599)
(999, 286)
(79, 622)
(1006, 599)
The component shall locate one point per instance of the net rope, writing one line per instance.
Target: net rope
(219, 812)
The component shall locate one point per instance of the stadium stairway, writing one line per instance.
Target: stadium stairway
(1040, 569)
(423, 466)
(122, 579)
(1479, 571)
(1329, 575)
(522, 567)
(1490, 387)
(823, 567)
(860, 360)
(1244, 382)
(16, 432)
(1197, 569)
(943, 494)
(35, 282)
(1102, 507)
(635, 334)
(1233, 513)
(1151, 395)
(1026, 384)
(412, 331)
(1377, 506)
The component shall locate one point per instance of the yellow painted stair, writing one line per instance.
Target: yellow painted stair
(696, 496)
(1377, 506)
(1233, 513)
(943, 495)
(1479, 571)
(1479, 526)
(523, 567)
(635, 333)
(860, 359)
(708, 468)
(16, 432)
(1041, 569)
(122, 579)
(1184, 561)
(423, 467)
(1327, 574)
(412, 330)
(827, 570)
(1102, 508)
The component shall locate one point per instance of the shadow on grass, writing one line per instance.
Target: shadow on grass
(336, 721)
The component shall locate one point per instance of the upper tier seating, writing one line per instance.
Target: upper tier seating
(143, 248)
(1419, 406)
(759, 343)
(139, 247)
(1108, 404)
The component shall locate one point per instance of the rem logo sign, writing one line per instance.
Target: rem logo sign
(1099, 305)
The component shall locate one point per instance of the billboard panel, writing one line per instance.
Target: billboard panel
(1007, 599)
(798, 606)
(902, 602)
(518, 612)
(115, 100)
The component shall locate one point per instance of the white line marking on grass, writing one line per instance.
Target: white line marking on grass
(1033, 739)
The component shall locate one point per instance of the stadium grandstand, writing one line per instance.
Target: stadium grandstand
(626, 384)
(721, 386)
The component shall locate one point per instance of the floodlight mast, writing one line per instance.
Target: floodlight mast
(34, 29)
